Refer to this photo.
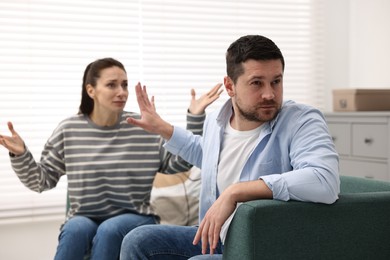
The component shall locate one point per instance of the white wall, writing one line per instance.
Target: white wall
(357, 54)
(357, 45)
(369, 44)
(336, 72)
(33, 241)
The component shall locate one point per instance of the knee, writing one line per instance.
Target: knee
(108, 230)
(135, 237)
(134, 241)
(78, 228)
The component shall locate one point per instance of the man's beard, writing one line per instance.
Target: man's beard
(254, 116)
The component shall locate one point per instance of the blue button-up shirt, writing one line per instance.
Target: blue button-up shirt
(294, 154)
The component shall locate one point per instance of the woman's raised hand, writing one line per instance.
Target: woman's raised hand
(198, 106)
(13, 143)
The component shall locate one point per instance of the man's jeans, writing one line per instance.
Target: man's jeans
(162, 242)
(82, 236)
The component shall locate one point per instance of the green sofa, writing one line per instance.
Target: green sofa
(357, 226)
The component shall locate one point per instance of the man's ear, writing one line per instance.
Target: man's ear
(90, 91)
(229, 86)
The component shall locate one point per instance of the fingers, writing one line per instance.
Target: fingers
(200, 237)
(216, 96)
(205, 238)
(214, 93)
(208, 234)
(2, 141)
(213, 237)
(146, 97)
(215, 240)
(11, 128)
(143, 98)
(210, 237)
(215, 90)
(198, 234)
(132, 121)
(140, 93)
(153, 104)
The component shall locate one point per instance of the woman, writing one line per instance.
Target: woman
(110, 165)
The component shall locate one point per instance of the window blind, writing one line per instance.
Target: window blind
(170, 46)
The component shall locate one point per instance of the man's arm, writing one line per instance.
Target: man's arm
(314, 176)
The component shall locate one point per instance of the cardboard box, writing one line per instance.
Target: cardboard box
(361, 99)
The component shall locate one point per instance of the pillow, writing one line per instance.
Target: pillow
(175, 197)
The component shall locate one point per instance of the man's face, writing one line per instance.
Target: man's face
(258, 93)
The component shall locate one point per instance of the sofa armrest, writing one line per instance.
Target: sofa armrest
(357, 226)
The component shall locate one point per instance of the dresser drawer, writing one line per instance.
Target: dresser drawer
(365, 169)
(341, 135)
(370, 140)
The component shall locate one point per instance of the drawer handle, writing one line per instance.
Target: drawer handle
(343, 103)
(368, 140)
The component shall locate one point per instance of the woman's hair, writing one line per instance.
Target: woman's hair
(91, 75)
(255, 47)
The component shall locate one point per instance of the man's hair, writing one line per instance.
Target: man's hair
(255, 47)
(91, 75)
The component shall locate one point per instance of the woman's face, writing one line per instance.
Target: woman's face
(110, 93)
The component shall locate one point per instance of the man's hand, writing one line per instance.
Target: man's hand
(150, 120)
(198, 106)
(13, 143)
(210, 228)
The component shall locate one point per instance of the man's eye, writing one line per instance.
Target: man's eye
(275, 82)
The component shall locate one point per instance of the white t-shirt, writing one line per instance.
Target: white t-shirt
(236, 148)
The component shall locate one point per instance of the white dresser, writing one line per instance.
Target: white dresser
(362, 140)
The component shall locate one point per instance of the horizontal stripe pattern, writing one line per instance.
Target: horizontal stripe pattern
(110, 170)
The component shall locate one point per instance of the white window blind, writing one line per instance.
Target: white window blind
(170, 46)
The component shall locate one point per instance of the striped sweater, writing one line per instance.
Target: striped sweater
(110, 170)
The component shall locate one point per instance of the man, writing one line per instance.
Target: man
(254, 147)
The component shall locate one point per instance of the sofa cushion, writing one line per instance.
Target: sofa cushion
(175, 197)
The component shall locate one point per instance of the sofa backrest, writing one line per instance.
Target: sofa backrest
(349, 184)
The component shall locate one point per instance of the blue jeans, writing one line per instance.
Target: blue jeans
(162, 242)
(80, 236)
